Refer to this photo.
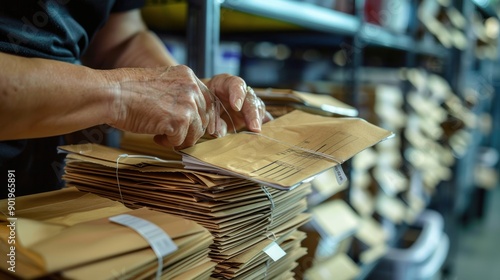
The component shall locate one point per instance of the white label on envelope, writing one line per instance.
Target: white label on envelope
(339, 174)
(158, 239)
(274, 251)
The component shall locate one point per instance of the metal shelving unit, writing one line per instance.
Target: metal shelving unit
(356, 33)
(485, 7)
(302, 14)
(204, 28)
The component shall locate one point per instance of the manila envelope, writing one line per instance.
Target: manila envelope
(290, 150)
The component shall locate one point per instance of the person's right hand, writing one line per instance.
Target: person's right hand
(166, 102)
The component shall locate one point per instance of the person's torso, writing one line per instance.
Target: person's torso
(52, 29)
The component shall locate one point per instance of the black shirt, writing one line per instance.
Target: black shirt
(52, 29)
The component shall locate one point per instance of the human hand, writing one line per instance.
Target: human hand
(242, 106)
(170, 103)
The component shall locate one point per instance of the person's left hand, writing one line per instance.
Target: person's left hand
(242, 106)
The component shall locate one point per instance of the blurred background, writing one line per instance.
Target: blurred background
(423, 205)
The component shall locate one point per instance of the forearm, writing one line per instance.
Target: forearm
(144, 49)
(125, 41)
(41, 97)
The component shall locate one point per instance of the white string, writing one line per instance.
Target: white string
(274, 236)
(136, 156)
(320, 154)
(217, 106)
(267, 268)
(118, 177)
(270, 197)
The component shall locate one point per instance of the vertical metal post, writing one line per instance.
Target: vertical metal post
(357, 55)
(354, 80)
(410, 62)
(203, 32)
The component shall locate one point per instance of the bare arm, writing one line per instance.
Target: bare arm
(40, 97)
(125, 41)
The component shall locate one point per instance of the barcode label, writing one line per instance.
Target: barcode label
(339, 174)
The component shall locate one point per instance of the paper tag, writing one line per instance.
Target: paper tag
(274, 251)
(339, 174)
(158, 239)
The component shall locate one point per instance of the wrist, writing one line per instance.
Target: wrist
(112, 90)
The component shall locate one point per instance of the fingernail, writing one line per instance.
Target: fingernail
(211, 127)
(238, 103)
(255, 125)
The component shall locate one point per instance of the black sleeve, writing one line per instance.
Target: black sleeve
(126, 5)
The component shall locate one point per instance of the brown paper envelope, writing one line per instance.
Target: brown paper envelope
(287, 275)
(198, 272)
(284, 271)
(233, 195)
(242, 225)
(149, 183)
(166, 176)
(192, 252)
(87, 203)
(89, 238)
(28, 264)
(273, 269)
(31, 201)
(73, 167)
(286, 241)
(144, 144)
(391, 208)
(245, 208)
(371, 233)
(281, 208)
(318, 102)
(228, 228)
(107, 156)
(335, 219)
(290, 245)
(279, 220)
(172, 176)
(245, 257)
(282, 230)
(339, 267)
(136, 191)
(242, 236)
(75, 215)
(143, 261)
(271, 158)
(135, 271)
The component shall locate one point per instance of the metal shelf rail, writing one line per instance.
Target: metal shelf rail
(203, 28)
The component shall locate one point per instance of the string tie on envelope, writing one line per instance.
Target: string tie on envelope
(270, 197)
(268, 262)
(217, 105)
(292, 146)
(273, 250)
(267, 268)
(122, 156)
(273, 235)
